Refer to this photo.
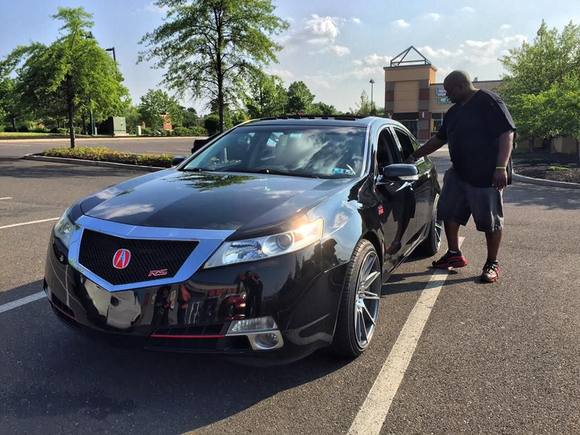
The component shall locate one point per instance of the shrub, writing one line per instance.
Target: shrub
(10, 129)
(198, 131)
(39, 130)
(23, 129)
(104, 154)
(212, 124)
(182, 131)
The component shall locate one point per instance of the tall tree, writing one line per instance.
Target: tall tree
(300, 98)
(210, 47)
(363, 107)
(541, 84)
(266, 96)
(71, 75)
(156, 103)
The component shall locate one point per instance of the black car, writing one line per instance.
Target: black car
(273, 239)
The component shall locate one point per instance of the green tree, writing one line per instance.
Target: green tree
(266, 96)
(156, 103)
(71, 75)
(542, 82)
(321, 108)
(300, 98)
(211, 47)
(363, 107)
(190, 118)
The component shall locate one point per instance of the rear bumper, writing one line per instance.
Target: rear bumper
(195, 315)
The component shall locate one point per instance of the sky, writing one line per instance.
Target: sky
(334, 46)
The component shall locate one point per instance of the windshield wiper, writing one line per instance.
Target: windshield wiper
(274, 172)
(198, 170)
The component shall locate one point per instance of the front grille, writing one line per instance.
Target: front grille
(147, 256)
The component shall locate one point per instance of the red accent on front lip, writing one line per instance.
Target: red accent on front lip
(185, 336)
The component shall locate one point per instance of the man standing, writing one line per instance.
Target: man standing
(480, 131)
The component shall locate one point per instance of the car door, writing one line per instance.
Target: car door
(397, 201)
(422, 188)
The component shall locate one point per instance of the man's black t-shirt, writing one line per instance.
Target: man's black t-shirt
(472, 131)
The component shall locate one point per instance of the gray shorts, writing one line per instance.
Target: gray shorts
(459, 200)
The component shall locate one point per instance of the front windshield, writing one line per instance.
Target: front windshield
(327, 152)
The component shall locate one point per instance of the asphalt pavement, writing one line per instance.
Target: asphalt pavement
(501, 358)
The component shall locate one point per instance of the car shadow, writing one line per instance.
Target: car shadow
(17, 168)
(52, 371)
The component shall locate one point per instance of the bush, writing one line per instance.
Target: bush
(39, 130)
(10, 129)
(23, 129)
(198, 131)
(104, 154)
(182, 131)
(212, 124)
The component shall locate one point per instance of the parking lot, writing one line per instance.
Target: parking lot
(449, 355)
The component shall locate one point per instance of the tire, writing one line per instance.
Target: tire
(362, 287)
(430, 246)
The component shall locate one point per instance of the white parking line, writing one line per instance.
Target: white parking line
(375, 408)
(4, 198)
(29, 223)
(19, 302)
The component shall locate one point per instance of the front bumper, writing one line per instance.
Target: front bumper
(195, 315)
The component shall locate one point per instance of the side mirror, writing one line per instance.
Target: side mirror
(400, 172)
(177, 160)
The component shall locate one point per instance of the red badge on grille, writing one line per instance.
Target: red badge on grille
(121, 258)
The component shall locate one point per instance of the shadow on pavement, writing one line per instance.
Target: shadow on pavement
(49, 370)
(18, 168)
(544, 196)
(400, 283)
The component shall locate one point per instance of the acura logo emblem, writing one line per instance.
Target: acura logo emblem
(121, 258)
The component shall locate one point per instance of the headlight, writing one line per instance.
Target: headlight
(240, 251)
(64, 228)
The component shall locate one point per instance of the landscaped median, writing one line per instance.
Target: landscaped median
(103, 156)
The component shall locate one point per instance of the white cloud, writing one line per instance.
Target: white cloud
(356, 20)
(375, 59)
(323, 30)
(468, 9)
(368, 72)
(340, 50)
(433, 16)
(400, 23)
(284, 74)
(505, 27)
(439, 53)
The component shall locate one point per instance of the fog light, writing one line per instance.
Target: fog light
(244, 326)
(268, 340)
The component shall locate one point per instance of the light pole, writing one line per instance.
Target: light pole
(113, 50)
(372, 82)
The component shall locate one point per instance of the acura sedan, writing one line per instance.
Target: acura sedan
(271, 241)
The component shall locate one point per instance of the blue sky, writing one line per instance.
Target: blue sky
(334, 46)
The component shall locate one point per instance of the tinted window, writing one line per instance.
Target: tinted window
(333, 152)
(387, 150)
(406, 143)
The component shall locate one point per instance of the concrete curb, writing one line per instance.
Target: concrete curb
(543, 182)
(92, 163)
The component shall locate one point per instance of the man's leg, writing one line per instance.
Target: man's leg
(493, 242)
(452, 233)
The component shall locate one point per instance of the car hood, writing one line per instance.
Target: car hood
(209, 200)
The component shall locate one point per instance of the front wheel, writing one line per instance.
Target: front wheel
(359, 307)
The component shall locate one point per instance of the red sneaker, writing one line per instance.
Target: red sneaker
(454, 260)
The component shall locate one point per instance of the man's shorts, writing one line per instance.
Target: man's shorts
(459, 200)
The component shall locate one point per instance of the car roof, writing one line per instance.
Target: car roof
(336, 120)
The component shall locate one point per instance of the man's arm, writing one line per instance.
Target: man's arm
(430, 146)
(506, 140)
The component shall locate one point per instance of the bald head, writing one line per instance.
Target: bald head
(458, 86)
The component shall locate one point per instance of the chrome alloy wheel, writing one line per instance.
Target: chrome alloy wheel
(366, 306)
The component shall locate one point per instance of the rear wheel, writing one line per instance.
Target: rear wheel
(430, 246)
(359, 308)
